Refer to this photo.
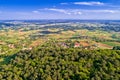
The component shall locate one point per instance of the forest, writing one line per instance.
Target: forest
(52, 62)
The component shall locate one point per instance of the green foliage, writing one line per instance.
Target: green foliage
(51, 62)
(116, 48)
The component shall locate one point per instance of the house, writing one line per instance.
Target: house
(64, 45)
(77, 44)
(12, 46)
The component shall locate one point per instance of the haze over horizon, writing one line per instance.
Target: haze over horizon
(59, 9)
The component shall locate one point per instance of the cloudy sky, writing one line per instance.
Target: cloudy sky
(60, 9)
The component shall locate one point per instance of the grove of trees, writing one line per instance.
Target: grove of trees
(51, 62)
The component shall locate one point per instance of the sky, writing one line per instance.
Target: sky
(59, 9)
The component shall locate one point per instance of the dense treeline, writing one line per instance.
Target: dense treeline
(116, 48)
(51, 62)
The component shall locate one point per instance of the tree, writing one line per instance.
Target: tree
(116, 48)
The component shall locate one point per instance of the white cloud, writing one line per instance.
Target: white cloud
(108, 11)
(88, 3)
(101, 11)
(35, 11)
(54, 9)
(65, 11)
(63, 3)
(58, 10)
(80, 11)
